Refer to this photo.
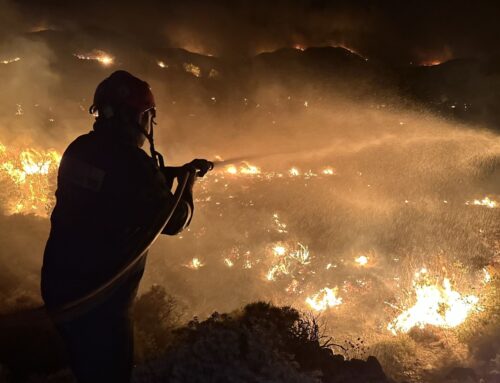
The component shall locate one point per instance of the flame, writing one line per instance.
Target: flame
(280, 226)
(486, 276)
(431, 63)
(25, 175)
(193, 69)
(328, 171)
(10, 61)
(275, 270)
(350, 50)
(324, 299)
(294, 172)
(244, 169)
(161, 64)
(288, 260)
(231, 169)
(362, 260)
(279, 250)
(437, 305)
(97, 55)
(486, 201)
(195, 264)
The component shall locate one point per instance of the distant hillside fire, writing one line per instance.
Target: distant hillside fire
(289, 267)
(28, 180)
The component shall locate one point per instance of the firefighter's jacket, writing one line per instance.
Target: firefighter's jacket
(108, 189)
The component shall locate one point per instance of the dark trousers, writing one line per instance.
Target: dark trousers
(100, 342)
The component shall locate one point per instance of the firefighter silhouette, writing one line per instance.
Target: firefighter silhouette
(108, 191)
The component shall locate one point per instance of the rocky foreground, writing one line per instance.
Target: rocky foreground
(260, 343)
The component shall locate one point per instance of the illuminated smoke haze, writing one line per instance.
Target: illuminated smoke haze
(401, 183)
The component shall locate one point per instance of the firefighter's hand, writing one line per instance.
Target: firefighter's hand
(199, 167)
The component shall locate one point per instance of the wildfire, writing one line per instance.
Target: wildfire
(288, 260)
(10, 61)
(231, 169)
(280, 226)
(362, 260)
(328, 171)
(244, 169)
(97, 55)
(279, 250)
(26, 180)
(431, 63)
(486, 201)
(192, 69)
(195, 264)
(324, 299)
(437, 305)
(350, 50)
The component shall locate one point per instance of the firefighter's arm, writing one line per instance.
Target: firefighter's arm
(183, 214)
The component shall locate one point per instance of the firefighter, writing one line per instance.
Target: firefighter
(108, 190)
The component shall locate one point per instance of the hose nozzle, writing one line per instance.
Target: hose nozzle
(201, 166)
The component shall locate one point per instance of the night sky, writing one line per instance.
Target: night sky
(396, 32)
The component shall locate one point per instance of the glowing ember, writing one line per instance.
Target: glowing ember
(275, 270)
(288, 260)
(301, 255)
(281, 266)
(487, 276)
(435, 305)
(231, 169)
(328, 171)
(279, 250)
(193, 69)
(26, 180)
(10, 61)
(195, 264)
(486, 201)
(280, 226)
(97, 55)
(362, 260)
(431, 63)
(244, 169)
(324, 299)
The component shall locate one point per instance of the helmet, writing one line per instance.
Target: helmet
(119, 90)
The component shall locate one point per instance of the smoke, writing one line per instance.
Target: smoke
(392, 31)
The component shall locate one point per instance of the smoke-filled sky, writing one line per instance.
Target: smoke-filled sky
(390, 31)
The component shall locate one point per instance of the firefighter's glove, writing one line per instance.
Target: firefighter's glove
(199, 167)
